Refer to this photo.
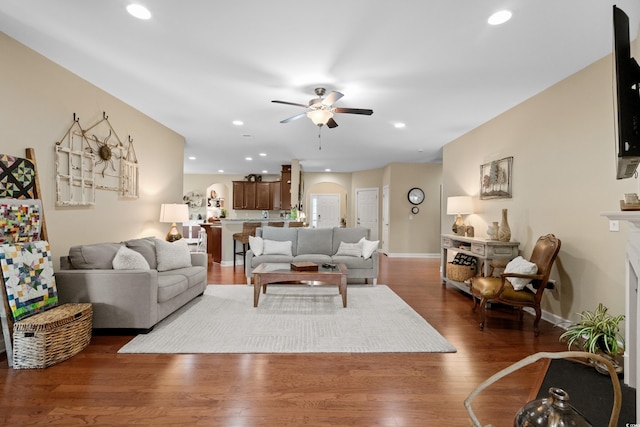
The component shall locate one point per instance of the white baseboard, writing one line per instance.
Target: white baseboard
(412, 255)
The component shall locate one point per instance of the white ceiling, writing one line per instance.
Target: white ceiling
(435, 65)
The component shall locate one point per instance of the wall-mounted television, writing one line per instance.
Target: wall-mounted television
(627, 77)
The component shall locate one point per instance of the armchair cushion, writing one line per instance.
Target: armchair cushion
(520, 265)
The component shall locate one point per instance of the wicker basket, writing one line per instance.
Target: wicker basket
(460, 273)
(51, 337)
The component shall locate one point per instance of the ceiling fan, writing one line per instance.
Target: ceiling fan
(321, 109)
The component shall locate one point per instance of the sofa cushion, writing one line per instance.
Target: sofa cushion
(128, 259)
(275, 247)
(350, 249)
(256, 244)
(194, 275)
(317, 258)
(348, 235)
(171, 285)
(315, 241)
(368, 247)
(146, 247)
(172, 255)
(93, 257)
(281, 234)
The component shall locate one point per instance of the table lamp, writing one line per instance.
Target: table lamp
(174, 213)
(459, 205)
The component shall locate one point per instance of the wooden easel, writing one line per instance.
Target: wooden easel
(6, 317)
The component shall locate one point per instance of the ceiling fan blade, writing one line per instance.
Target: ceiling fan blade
(332, 98)
(331, 123)
(290, 103)
(364, 111)
(292, 118)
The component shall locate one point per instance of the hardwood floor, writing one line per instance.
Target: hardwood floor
(100, 387)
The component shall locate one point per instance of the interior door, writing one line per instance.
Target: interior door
(367, 210)
(325, 210)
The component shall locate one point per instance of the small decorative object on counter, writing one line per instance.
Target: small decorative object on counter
(504, 231)
(492, 231)
(470, 230)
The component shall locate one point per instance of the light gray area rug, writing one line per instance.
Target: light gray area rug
(293, 319)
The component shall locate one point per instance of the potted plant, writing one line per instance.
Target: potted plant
(597, 332)
(223, 213)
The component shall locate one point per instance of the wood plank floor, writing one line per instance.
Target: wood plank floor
(100, 387)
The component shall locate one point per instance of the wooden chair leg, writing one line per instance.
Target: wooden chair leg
(536, 322)
(483, 312)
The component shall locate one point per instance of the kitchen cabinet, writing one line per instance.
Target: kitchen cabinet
(263, 195)
(244, 195)
(275, 193)
(285, 188)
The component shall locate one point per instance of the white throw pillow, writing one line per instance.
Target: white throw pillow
(172, 255)
(256, 244)
(275, 247)
(368, 247)
(521, 266)
(350, 249)
(128, 259)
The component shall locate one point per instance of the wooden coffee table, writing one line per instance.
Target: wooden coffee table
(281, 273)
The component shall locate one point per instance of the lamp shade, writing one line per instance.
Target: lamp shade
(320, 117)
(174, 212)
(459, 205)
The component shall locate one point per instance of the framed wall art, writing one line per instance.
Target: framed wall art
(495, 179)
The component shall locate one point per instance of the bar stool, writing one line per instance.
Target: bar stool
(293, 224)
(275, 223)
(248, 229)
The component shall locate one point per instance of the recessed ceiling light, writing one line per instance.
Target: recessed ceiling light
(192, 157)
(248, 158)
(238, 122)
(327, 170)
(263, 154)
(399, 125)
(499, 17)
(139, 11)
(220, 171)
(265, 171)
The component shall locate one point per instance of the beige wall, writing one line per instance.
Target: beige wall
(420, 233)
(562, 142)
(37, 105)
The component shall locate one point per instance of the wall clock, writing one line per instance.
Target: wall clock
(416, 196)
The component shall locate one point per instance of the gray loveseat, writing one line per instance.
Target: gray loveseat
(318, 245)
(131, 298)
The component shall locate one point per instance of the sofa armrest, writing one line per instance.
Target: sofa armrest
(199, 259)
(120, 298)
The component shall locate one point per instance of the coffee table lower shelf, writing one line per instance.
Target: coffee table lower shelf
(267, 273)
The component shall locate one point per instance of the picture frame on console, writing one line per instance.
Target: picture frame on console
(495, 179)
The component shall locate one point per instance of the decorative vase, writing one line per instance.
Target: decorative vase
(504, 232)
(492, 231)
(552, 411)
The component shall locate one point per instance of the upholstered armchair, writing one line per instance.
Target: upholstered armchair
(501, 290)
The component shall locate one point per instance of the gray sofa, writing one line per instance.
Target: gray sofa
(318, 245)
(129, 298)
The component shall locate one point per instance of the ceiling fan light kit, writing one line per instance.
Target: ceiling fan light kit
(322, 109)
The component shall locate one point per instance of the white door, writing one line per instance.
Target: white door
(325, 210)
(367, 210)
(385, 219)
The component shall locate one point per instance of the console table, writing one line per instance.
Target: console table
(483, 249)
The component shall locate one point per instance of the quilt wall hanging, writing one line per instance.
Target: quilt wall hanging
(27, 270)
(16, 177)
(93, 159)
(20, 220)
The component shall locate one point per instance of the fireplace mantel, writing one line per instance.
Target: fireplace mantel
(632, 298)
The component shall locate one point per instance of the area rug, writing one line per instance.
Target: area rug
(293, 319)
